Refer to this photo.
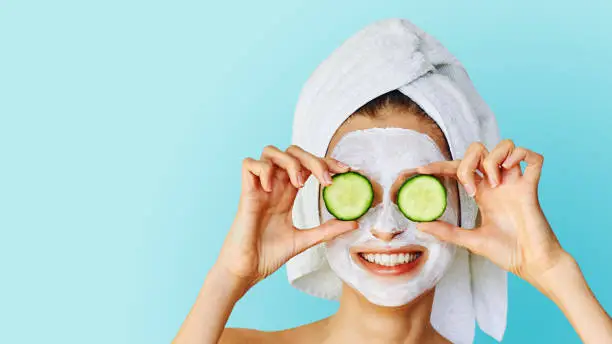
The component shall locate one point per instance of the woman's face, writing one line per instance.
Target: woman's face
(387, 260)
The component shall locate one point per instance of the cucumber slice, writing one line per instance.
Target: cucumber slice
(349, 196)
(422, 198)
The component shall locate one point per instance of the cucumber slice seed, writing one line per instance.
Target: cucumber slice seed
(349, 196)
(422, 198)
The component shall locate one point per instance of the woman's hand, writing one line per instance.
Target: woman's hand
(513, 233)
(262, 237)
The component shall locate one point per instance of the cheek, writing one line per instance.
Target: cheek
(338, 252)
(342, 243)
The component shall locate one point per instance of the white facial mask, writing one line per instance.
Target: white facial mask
(381, 154)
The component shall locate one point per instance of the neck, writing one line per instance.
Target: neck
(359, 321)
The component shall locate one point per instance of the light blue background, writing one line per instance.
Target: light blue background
(123, 125)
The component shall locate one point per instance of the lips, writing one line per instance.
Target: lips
(404, 261)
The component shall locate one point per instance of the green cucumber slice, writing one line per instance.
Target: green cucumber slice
(349, 196)
(422, 198)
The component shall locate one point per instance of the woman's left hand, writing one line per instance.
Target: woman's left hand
(513, 233)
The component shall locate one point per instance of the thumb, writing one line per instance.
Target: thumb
(468, 238)
(325, 232)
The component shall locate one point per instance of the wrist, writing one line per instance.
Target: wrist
(230, 281)
(559, 276)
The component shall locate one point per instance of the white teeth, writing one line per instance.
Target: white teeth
(390, 259)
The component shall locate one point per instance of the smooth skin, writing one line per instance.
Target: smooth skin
(513, 233)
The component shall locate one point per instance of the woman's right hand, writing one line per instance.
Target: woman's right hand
(262, 237)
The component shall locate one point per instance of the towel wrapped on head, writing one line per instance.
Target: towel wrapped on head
(389, 55)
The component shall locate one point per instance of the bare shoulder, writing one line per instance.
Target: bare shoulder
(309, 333)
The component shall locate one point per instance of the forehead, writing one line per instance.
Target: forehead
(387, 118)
(382, 153)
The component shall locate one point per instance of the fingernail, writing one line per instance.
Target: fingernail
(469, 189)
(421, 226)
(492, 181)
(327, 178)
(505, 164)
(300, 178)
(341, 165)
(352, 225)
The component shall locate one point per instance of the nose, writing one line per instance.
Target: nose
(384, 235)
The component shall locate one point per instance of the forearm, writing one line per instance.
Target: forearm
(565, 285)
(206, 320)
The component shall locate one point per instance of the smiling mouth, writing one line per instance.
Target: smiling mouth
(393, 262)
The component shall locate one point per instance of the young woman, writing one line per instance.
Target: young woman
(389, 139)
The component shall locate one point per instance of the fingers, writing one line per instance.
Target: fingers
(472, 161)
(462, 170)
(534, 162)
(501, 162)
(286, 162)
(508, 157)
(325, 232)
(513, 174)
(249, 181)
(494, 159)
(468, 238)
(335, 165)
(262, 169)
(441, 168)
(320, 168)
(297, 163)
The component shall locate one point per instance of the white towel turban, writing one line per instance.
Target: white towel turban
(389, 55)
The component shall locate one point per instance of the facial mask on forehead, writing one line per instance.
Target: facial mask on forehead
(382, 154)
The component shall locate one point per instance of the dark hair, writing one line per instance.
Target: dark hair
(391, 99)
(396, 100)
